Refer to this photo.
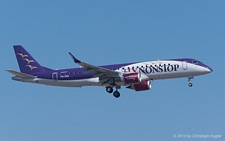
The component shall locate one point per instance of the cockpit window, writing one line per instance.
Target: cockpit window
(196, 62)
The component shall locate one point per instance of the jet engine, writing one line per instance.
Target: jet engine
(132, 78)
(141, 86)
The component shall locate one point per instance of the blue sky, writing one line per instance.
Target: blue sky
(103, 32)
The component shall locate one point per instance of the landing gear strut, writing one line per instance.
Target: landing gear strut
(189, 80)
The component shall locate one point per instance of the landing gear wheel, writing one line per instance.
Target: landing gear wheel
(116, 94)
(190, 84)
(189, 80)
(109, 89)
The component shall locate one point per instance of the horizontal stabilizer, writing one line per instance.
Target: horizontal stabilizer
(22, 75)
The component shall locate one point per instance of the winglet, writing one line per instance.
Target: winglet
(74, 59)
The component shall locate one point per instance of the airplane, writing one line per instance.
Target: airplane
(135, 76)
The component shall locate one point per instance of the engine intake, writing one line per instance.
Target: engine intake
(132, 78)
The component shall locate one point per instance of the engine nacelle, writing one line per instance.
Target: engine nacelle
(132, 78)
(141, 86)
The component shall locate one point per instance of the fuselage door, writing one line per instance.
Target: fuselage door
(55, 76)
(184, 65)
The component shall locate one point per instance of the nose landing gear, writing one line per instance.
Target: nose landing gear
(189, 80)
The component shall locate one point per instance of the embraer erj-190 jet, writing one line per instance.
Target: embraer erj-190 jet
(136, 76)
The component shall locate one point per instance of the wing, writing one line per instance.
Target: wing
(105, 75)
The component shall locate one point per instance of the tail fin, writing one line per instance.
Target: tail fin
(27, 63)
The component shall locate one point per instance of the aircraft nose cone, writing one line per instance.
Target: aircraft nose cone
(208, 70)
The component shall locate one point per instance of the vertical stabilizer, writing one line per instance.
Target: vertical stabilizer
(27, 63)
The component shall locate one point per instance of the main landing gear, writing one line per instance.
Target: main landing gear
(189, 80)
(116, 94)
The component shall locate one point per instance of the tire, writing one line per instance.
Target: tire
(116, 94)
(109, 89)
